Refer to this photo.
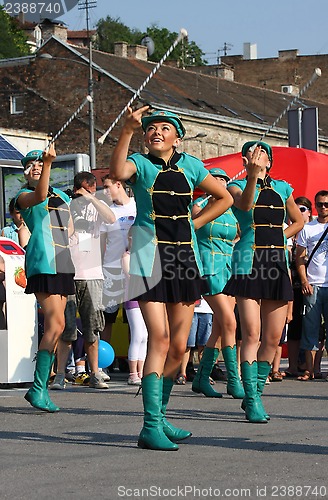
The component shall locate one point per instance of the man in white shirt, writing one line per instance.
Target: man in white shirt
(88, 213)
(115, 233)
(314, 279)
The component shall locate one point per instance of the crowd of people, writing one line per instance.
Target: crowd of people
(250, 255)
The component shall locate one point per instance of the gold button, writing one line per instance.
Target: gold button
(272, 246)
(178, 243)
(172, 193)
(270, 225)
(174, 217)
(271, 206)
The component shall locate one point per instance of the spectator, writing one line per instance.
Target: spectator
(312, 266)
(138, 331)
(115, 234)
(88, 213)
(294, 332)
(16, 227)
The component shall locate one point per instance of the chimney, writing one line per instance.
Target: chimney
(121, 49)
(53, 28)
(288, 54)
(226, 73)
(137, 52)
(250, 50)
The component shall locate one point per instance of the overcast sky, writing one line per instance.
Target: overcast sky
(272, 25)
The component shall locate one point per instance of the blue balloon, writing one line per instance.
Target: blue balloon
(106, 354)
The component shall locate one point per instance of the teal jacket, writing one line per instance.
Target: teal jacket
(215, 242)
(144, 241)
(40, 251)
(243, 253)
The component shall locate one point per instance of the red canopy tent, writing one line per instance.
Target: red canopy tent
(305, 170)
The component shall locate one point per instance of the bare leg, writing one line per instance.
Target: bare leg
(224, 321)
(276, 374)
(309, 360)
(106, 334)
(92, 352)
(133, 367)
(134, 375)
(140, 367)
(273, 313)
(277, 359)
(154, 314)
(168, 328)
(63, 350)
(318, 357)
(184, 362)
(180, 317)
(53, 307)
(249, 313)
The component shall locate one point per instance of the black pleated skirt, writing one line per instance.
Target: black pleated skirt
(268, 280)
(172, 281)
(54, 284)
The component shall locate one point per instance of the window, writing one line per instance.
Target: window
(16, 104)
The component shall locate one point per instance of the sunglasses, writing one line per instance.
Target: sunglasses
(303, 209)
(322, 204)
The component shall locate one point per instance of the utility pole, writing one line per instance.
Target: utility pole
(87, 5)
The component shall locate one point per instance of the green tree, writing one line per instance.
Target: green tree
(111, 30)
(187, 53)
(13, 39)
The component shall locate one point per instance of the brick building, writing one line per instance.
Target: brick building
(287, 73)
(39, 94)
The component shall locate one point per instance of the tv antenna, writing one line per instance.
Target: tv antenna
(226, 47)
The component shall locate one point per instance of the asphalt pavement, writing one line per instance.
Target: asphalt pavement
(88, 450)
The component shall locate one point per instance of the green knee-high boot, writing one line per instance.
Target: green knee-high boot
(234, 386)
(263, 370)
(50, 403)
(38, 395)
(152, 435)
(201, 383)
(173, 433)
(253, 407)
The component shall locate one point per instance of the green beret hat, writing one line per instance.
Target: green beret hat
(219, 172)
(261, 144)
(31, 156)
(164, 116)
